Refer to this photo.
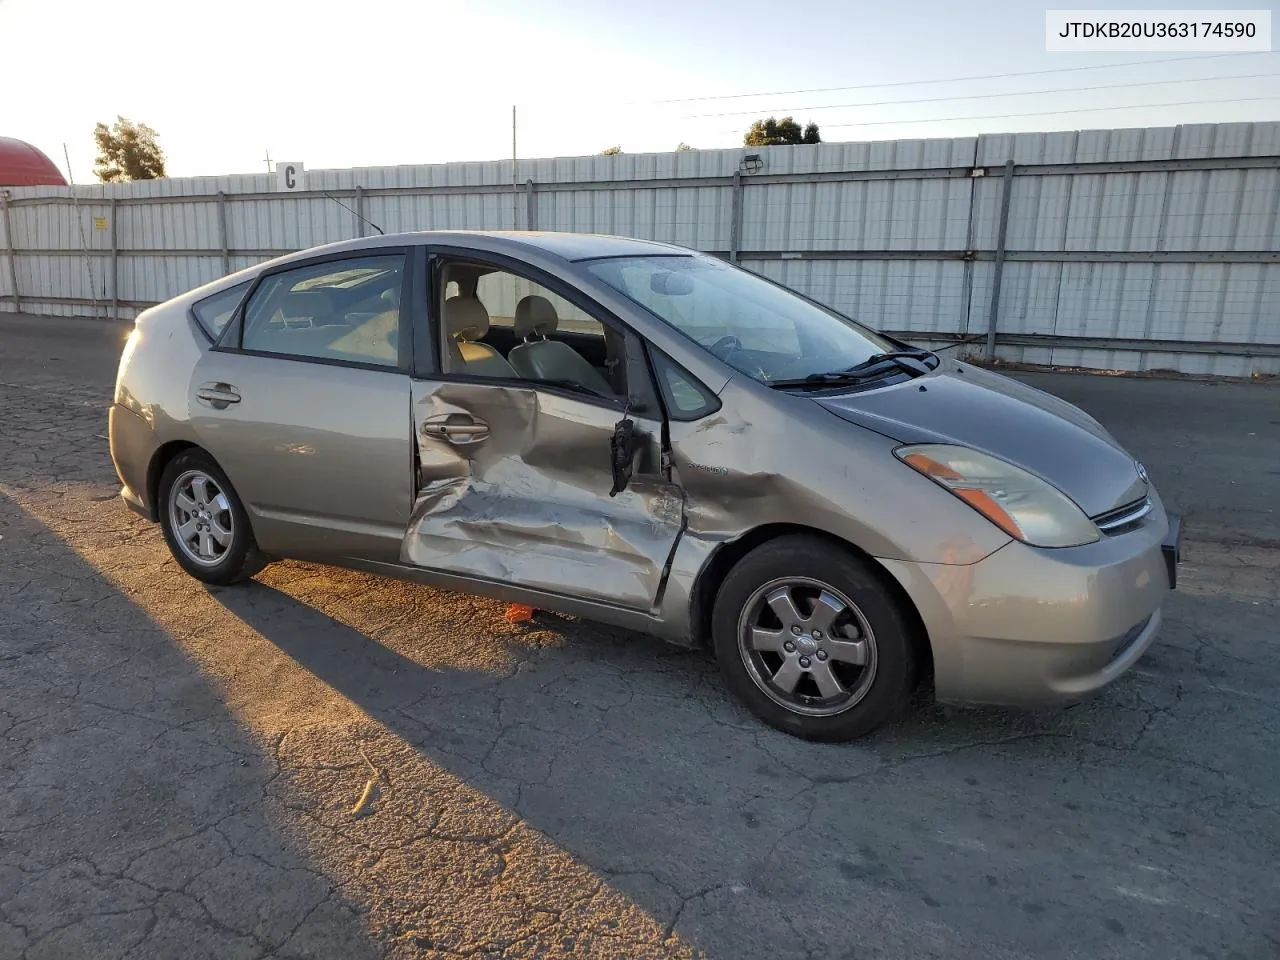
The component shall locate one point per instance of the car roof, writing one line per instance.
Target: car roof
(566, 246)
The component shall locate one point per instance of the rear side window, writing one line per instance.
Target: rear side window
(344, 310)
(213, 312)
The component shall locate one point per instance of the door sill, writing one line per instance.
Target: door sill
(628, 618)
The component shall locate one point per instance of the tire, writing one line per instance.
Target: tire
(850, 664)
(204, 522)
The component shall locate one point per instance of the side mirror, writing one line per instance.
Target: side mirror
(622, 451)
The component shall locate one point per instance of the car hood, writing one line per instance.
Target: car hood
(963, 404)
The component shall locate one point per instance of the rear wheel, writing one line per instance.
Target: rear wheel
(812, 640)
(204, 522)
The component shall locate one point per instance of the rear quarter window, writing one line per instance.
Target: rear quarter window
(212, 313)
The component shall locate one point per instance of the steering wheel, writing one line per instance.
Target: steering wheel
(727, 344)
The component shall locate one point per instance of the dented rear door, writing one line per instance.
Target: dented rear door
(513, 488)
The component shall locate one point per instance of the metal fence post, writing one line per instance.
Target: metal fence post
(531, 213)
(115, 263)
(359, 211)
(735, 215)
(9, 248)
(223, 240)
(993, 317)
(967, 281)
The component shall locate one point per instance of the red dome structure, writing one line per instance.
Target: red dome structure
(22, 165)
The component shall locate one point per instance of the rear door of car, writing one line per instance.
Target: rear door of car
(304, 402)
(515, 476)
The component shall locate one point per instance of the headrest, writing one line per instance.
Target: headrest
(465, 318)
(535, 315)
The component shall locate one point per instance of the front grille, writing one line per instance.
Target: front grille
(1123, 518)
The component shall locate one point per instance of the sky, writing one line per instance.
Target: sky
(384, 82)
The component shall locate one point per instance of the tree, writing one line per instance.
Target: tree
(127, 151)
(771, 132)
(611, 151)
(683, 147)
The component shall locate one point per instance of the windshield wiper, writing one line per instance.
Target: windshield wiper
(818, 381)
(895, 356)
(915, 362)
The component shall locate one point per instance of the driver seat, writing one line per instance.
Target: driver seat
(543, 359)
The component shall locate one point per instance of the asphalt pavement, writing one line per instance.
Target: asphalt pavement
(326, 764)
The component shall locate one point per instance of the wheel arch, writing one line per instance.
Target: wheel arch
(161, 459)
(251, 559)
(726, 556)
(155, 470)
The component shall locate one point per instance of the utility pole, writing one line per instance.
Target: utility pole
(84, 242)
(515, 186)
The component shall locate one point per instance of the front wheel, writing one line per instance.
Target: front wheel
(808, 636)
(204, 522)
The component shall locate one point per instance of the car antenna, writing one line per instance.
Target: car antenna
(359, 215)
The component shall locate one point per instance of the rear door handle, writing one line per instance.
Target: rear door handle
(217, 395)
(456, 428)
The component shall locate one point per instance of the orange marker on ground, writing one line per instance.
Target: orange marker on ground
(519, 613)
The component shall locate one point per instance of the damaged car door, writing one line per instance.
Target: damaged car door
(539, 442)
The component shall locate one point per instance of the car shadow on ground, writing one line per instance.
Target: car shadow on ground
(174, 778)
(630, 755)
(131, 814)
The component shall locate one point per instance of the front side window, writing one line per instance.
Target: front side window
(213, 312)
(756, 327)
(502, 325)
(347, 310)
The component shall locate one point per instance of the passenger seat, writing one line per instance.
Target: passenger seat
(465, 322)
(543, 359)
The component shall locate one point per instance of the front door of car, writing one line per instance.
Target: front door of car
(515, 452)
(304, 404)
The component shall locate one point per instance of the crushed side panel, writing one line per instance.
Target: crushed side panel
(529, 505)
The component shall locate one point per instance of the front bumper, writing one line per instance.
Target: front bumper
(1171, 547)
(1033, 626)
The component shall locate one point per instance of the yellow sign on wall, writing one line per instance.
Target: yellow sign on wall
(99, 223)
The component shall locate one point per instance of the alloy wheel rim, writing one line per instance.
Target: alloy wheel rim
(200, 518)
(807, 646)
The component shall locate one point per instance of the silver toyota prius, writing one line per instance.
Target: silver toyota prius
(647, 436)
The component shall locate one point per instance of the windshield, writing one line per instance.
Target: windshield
(761, 329)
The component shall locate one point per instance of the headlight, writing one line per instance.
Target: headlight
(1019, 503)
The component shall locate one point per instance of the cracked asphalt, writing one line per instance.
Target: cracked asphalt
(325, 764)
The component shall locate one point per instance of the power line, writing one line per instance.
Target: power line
(989, 76)
(1034, 113)
(974, 96)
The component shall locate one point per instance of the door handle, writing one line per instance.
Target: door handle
(456, 428)
(217, 395)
